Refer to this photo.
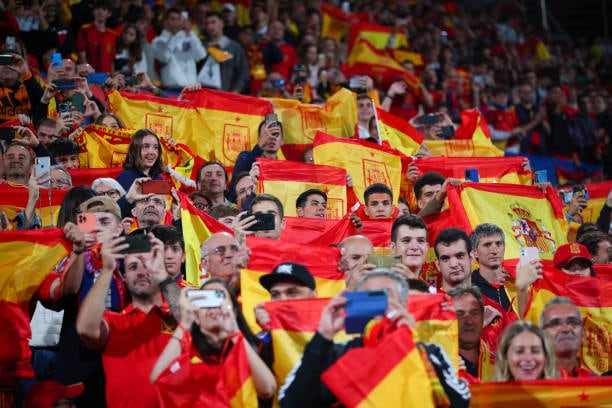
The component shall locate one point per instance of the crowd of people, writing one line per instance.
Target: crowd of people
(116, 323)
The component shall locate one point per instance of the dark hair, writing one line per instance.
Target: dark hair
(170, 11)
(200, 194)
(103, 4)
(302, 198)
(168, 235)
(46, 121)
(104, 115)
(485, 230)
(263, 122)
(592, 239)
(239, 177)
(431, 178)
(585, 229)
(268, 197)
(418, 285)
(448, 236)
(223, 210)
(134, 49)
(134, 158)
(71, 202)
(215, 14)
(461, 291)
(376, 188)
(410, 220)
(210, 163)
(63, 147)
(203, 345)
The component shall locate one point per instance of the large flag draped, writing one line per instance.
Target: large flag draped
(14, 198)
(399, 133)
(335, 23)
(84, 177)
(463, 148)
(391, 374)
(592, 296)
(316, 231)
(377, 35)
(560, 393)
(230, 121)
(527, 216)
(287, 180)
(367, 163)
(196, 228)
(473, 126)
(490, 169)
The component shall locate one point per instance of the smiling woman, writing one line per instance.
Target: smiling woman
(144, 159)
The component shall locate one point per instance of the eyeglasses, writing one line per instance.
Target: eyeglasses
(153, 200)
(109, 193)
(201, 206)
(572, 322)
(222, 249)
(60, 182)
(246, 190)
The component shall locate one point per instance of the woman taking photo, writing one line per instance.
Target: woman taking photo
(524, 354)
(208, 345)
(144, 159)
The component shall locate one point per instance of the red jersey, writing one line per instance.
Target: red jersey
(99, 47)
(135, 341)
(285, 67)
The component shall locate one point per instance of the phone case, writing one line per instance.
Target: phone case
(157, 187)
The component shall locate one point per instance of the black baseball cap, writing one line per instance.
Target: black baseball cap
(288, 272)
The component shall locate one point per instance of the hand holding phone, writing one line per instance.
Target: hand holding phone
(156, 187)
(139, 243)
(43, 167)
(205, 299)
(361, 307)
(87, 222)
(265, 222)
(384, 261)
(528, 254)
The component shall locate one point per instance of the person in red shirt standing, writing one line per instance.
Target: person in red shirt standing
(96, 42)
(276, 32)
(503, 122)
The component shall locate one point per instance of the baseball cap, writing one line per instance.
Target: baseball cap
(46, 393)
(101, 204)
(570, 252)
(288, 271)
(229, 7)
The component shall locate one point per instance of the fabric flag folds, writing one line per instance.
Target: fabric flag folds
(361, 378)
(377, 35)
(490, 169)
(473, 126)
(335, 23)
(527, 216)
(367, 163)
(84, 177)
(592, 296)
(287, 180)
(463, 148)
(14, 198)
(399, 133)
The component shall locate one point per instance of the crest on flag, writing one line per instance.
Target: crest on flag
(375, 172)
(335, 208)
(597, 347)
(161, 125)
(236, 138)
(530, 232)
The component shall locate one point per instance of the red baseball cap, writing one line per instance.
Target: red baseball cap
(569, 252)
(45, 393)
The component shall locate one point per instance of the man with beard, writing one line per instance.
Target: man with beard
(562, 322)
(212, 180)
(150, 211)
(312, 203)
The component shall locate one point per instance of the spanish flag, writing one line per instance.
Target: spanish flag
(302, 121)
(400, 134)
(179, 120)
(463, 148)
(27, 258)
(267, 253)
(559, 393)
(402, 55)
(287, 180)
(14, 198)
(473, 126)
(316, 231)
(592, 296)
(85, 176)
(335, 23)
(490, 169)
(527, 216)
(230, 122)
(197, 227)
(377, 35)
(361, 378)
(367, 163)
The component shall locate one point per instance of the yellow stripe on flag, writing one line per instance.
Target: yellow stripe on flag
(463, 148)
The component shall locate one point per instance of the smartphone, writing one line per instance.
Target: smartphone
(541, 176)
(528, 254)
(447, 131)
(156, 187)
(42, 166)
(87, 222)
(185, 15)
(207, 298)
(472, 175)
(78, 102)
(65, 84)
(581, 190)
(361, 307)
(139, 243)
(64, 109)
(271, 117)
(384, 261)
(56, 60)
(97, 78)
(131, 80)
(429, 120)
(357, 82)
(7, 134)
(566, 196)
(265, 222)
(7, 59)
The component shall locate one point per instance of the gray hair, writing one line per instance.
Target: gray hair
(108, 182)
(402, 284)
(61, 168)
(559, 300)
(485, 230)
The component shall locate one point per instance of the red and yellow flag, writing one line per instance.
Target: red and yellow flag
(592, 296)
(559, 393)
(230, 122)
(463, 148)
(84, 176)
(287, 180)
(490, 169)
(527, 216)
(361, 378)
(473, 126)
(335, 23)
(316, 231)
(403, 55)
(400, 134)
(367, 163)
(377, 35)
(14, 198)
(197, 227)
(179, 120)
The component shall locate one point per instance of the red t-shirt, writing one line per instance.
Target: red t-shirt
(285, 67)
(136, 340)
(99, 47)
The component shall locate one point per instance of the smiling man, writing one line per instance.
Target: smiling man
(409, 239)
(311, 204)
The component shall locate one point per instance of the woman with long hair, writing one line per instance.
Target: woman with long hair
(129, 58)
(525, 353)
(205, 345)
(144, 159)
